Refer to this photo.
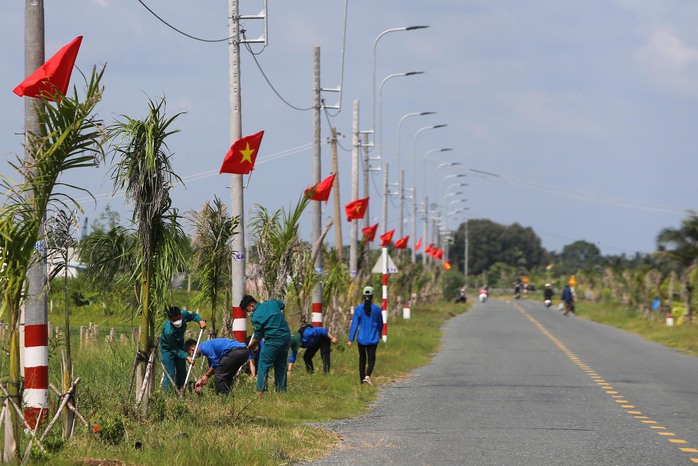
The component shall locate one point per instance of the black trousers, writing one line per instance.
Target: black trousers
(367, 359)
(228, 367)
(325, 346)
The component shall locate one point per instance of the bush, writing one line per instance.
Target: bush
(110, 429)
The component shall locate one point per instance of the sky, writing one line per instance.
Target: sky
(574, 118)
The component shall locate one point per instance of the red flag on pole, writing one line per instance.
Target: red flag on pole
(356, 209)
(52, 76)
(370, 233)
(402, 243)
(242, 155)
(439, 254)
(321, 191)
(386, 238)
(429, 248)
(418, 245)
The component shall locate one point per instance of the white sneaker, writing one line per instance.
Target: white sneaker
(367, 380)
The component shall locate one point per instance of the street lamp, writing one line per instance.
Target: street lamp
(456, 201)
(375, 43)
(454, 185)
(414, 146)
(453, 194)
(454, 175)
(380, 107)
(424, 164)
(399, 169)
(447, 164)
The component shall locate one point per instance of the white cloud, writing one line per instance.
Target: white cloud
(670, 62)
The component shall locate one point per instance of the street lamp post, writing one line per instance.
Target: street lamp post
(375, 44)
(380, 105)
(424, 163)
(401, 174)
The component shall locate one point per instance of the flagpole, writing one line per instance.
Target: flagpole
(237, 205)
(354, 225)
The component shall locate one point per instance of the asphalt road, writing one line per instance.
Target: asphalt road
(518, 383)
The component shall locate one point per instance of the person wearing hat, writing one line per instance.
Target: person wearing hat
(366, 327)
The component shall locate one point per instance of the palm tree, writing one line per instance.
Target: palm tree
(143, 170)
(214, 230)
(684, 253)
(69, 138)
(280, 251)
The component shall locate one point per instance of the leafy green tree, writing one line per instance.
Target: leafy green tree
(579, 255)
(211, 245)
(680, 245)
(283, 259)
(144, 171)
(70, 138)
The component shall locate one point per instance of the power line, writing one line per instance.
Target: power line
(179, 30)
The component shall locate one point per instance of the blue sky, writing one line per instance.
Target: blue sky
(585, 109)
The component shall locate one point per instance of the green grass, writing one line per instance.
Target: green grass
(683, 338)
(276, 429)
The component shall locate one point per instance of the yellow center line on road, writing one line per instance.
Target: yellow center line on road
(603, 384)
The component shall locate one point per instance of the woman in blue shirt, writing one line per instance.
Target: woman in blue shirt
(368, 323)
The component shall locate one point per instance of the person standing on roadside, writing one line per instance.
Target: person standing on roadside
(174, 358)
(366, 326)
(270, 325)
(568, 299)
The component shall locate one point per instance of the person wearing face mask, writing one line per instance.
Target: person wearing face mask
(172, 344)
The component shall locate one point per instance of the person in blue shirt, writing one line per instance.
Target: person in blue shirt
(172, 353)
(366, 327)
(269, 325)
(312, 339)
(568, 299)
(225, 357)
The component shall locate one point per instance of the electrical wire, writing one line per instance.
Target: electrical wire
(179, 30)
(271, 86)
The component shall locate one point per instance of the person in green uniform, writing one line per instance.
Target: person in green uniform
(172, 344)
(269, 324)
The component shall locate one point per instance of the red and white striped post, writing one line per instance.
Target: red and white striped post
(240, 324)
(384, 306)
(35, 394)
(317, 315)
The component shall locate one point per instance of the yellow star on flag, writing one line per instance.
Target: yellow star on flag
(246, 153)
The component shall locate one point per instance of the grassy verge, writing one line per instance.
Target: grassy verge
(241, 428)
(683, 338)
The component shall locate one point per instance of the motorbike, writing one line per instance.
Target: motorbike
(484, 294)
(547, 303)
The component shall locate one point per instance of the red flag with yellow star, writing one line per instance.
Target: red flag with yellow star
(242, 155)
(402, 243)
(386, 238)
(53, 75)
(370, 232)
(356, 209)
(418, 245)
(321, 191)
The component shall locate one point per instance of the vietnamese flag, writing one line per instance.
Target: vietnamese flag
(386, 238)
(429, 248)
(418, 245)
(52, 76)
(242, 155)
(370, 233)
(402, 243)
(321, 191)
(439, 254)
(356, 209)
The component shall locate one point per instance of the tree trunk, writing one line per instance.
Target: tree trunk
(12, 449)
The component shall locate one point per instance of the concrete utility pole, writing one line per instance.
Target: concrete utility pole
(35, 348)
(426, 226)
(386, 194)
(237, 205)
(317, 171)
(414, 227)
(465, 252)
(401, 193)
(367, 215)
(353, 225)
(335, 190)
